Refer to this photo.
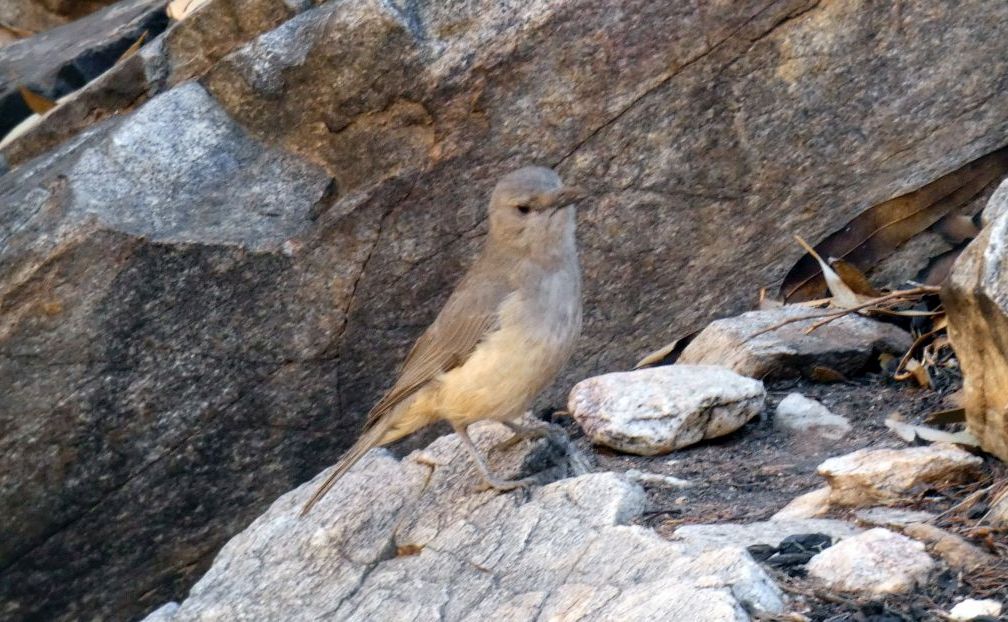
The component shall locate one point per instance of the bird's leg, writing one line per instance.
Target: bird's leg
(528, 432)
(488, 479)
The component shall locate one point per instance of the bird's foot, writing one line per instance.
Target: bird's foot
(529, 432)
(505, 485)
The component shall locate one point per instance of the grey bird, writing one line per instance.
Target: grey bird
(502, 337)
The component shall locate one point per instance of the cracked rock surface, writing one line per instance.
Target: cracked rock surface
(410, 540)
(194, 316)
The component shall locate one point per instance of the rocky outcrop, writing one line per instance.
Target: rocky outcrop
(180, 347)
(410, 540)
(976, 297)
(655, 411)
(771, 344)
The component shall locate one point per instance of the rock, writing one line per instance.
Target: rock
(167, 377)
(654, 411)
(892, 517)
(36, 16)
(799, 413)
(996, 206)
(808, 505)
(953, 549)
(875, 562)
(467, 555)
(972, 608)
(881, 476)
(656, 479)
(697, 538)
(847, 345)
(66, 58)
(976, 298)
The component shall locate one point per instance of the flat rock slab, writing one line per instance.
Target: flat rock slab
(846, 345)
(880, 476)
(892, 517)
(409, 540)
(877, 561)
(654, 411)
(798, 413)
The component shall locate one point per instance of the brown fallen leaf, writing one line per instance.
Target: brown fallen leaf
(843, 295)
(956, 228)
(39, 104)
(916, 371)
(131, 50)
(854, 278)
(876, 232)
(942, 417)
(824, 374)
(668, 353)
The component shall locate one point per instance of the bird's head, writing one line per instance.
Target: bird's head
(531, 208)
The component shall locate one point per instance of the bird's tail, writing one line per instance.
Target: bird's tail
(369, 439)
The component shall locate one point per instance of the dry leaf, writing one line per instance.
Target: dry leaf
(910, 433)
(667, 354)
(181, 9)
(133, 49)
(824, 374)
(876, 232)
(951, 415)
(843, 295)
(854, 278)
(956, 228)
(39, 104)
(919, 373)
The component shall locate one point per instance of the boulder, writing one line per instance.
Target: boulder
(880, 476)
(876, 562)
(410, 540)
(654, 411)
(976, 298)
(798, 413)
(179, 349)
(847, 345)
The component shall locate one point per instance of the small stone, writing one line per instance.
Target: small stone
(808, 505)
(972, 608)
(655, 411)
(801, 414)
(846, 345)
(955, 550)
(881, 476)
(892, 517)
(877, 561)
(656, 479)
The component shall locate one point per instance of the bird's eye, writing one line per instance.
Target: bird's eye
(524, 209)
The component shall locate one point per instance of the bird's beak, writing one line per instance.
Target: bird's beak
(566, 195)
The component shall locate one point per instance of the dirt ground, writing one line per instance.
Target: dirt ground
(749, 475)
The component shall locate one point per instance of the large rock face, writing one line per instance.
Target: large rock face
(200, 297)
(976, 296)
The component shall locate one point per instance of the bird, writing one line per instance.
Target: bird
(504, 334)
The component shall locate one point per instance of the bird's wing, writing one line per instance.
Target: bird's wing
(470, 313)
